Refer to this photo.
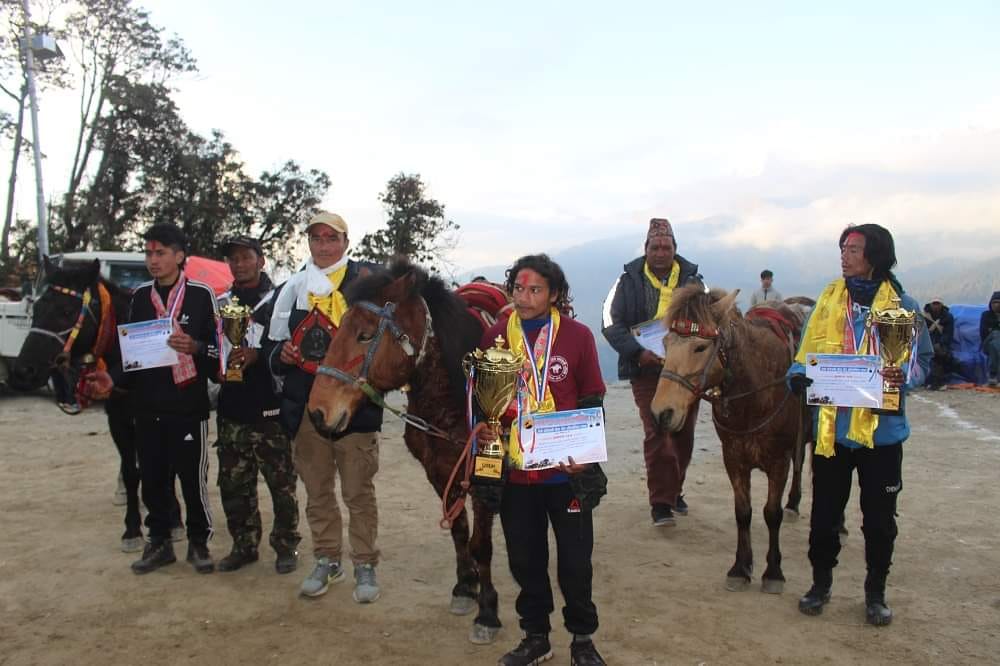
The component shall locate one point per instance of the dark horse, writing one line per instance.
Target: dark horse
(739, 364)
(404, 327)
(65, 324)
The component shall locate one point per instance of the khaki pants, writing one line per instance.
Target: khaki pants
(317, 460)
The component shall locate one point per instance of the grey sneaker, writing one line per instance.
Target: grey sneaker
(318, 582)
(365, 588)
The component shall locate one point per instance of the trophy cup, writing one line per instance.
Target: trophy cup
(895, 329)
(235, 322)
(495, 372)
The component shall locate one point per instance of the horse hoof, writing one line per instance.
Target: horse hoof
(483, 635)
(462, 605)
(791, 515)
(133, 544)
(737, 583)
(772, 586)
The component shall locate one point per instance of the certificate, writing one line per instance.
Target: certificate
(553, 437)
(844, 380)
(650, 335)
(144, 344)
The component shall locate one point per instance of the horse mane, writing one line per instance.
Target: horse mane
(456, 330)
(693, 303)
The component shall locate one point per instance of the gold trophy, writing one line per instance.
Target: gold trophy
(235, 322)
(495, 373)
(895, 328)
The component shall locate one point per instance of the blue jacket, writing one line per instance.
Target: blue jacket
(892, 428)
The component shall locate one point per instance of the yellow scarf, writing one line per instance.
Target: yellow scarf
(333, 305)
(666, 290)
(517, 344)
(825, 335)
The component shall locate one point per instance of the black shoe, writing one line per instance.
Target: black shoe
(814, 600)
(877, 613)
(682, 507)
(156, 554)
(663, 515)
(199, 556)
(583, 653)
(287, 562)
(533, 649)
(236, 559)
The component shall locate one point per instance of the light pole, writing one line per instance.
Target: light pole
(45, 47)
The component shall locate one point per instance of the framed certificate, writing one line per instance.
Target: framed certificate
(144, 344)
(650, 335)
(555, 436)
(844, 380)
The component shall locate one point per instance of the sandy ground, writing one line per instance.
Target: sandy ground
(67, 595)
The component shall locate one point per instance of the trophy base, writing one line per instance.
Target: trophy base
(488, 470)
(234, 374)
(890, 403)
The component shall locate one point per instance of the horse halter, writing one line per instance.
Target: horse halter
(386, 321)
(67, 337)
(686, 328)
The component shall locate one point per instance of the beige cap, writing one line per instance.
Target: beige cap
(328, 219)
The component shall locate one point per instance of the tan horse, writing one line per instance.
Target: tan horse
(738, 364)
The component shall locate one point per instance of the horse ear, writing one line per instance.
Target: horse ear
(726, 303)
(94, 271)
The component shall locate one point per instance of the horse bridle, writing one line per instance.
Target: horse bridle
(386, 322)
(67, 337)
(686, 328)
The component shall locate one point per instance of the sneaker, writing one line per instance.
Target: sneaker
(237, 559)
(154, 555)
(663, 515)
(287, 562)
(178, 533)
(365, 588)
(813, 601)
(318, 582)
(583, 653)
(682, 507)
(533, 649)
(200, 558)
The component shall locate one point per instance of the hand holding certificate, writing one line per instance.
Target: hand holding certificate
(552, 438)
(650, 335)
(144, 344)
(844, 380)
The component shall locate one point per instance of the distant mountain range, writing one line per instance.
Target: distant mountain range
(592, 268)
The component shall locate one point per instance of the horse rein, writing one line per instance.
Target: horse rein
(387, 321)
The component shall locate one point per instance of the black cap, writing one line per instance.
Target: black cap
(241, 241)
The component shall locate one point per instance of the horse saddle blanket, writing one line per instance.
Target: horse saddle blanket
(486, 301)
(313, 336)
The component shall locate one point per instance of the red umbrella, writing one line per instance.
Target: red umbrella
(215, 274)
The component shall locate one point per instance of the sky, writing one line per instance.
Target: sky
(543, 125)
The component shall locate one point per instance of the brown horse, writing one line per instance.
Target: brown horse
(403, 327)
(738, 363)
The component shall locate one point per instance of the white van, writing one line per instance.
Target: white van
(126, 269)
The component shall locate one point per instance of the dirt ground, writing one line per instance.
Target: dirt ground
(67, 595)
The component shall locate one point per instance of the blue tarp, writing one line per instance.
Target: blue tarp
(966, 345)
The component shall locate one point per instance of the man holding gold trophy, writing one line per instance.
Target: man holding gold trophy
(559, 371)
(864, 313)
(251, 439)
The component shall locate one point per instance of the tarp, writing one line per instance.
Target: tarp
(965, 347)
(215, 274)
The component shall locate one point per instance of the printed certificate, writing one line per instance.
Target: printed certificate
(554, 437)
(650, 335)
(144, 344)
(844, 380)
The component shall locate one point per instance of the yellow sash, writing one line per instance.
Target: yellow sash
(666, 290)
(333, 305)
(825, 334)
(516, 342)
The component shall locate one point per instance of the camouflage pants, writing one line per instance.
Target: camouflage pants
(244, 449)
